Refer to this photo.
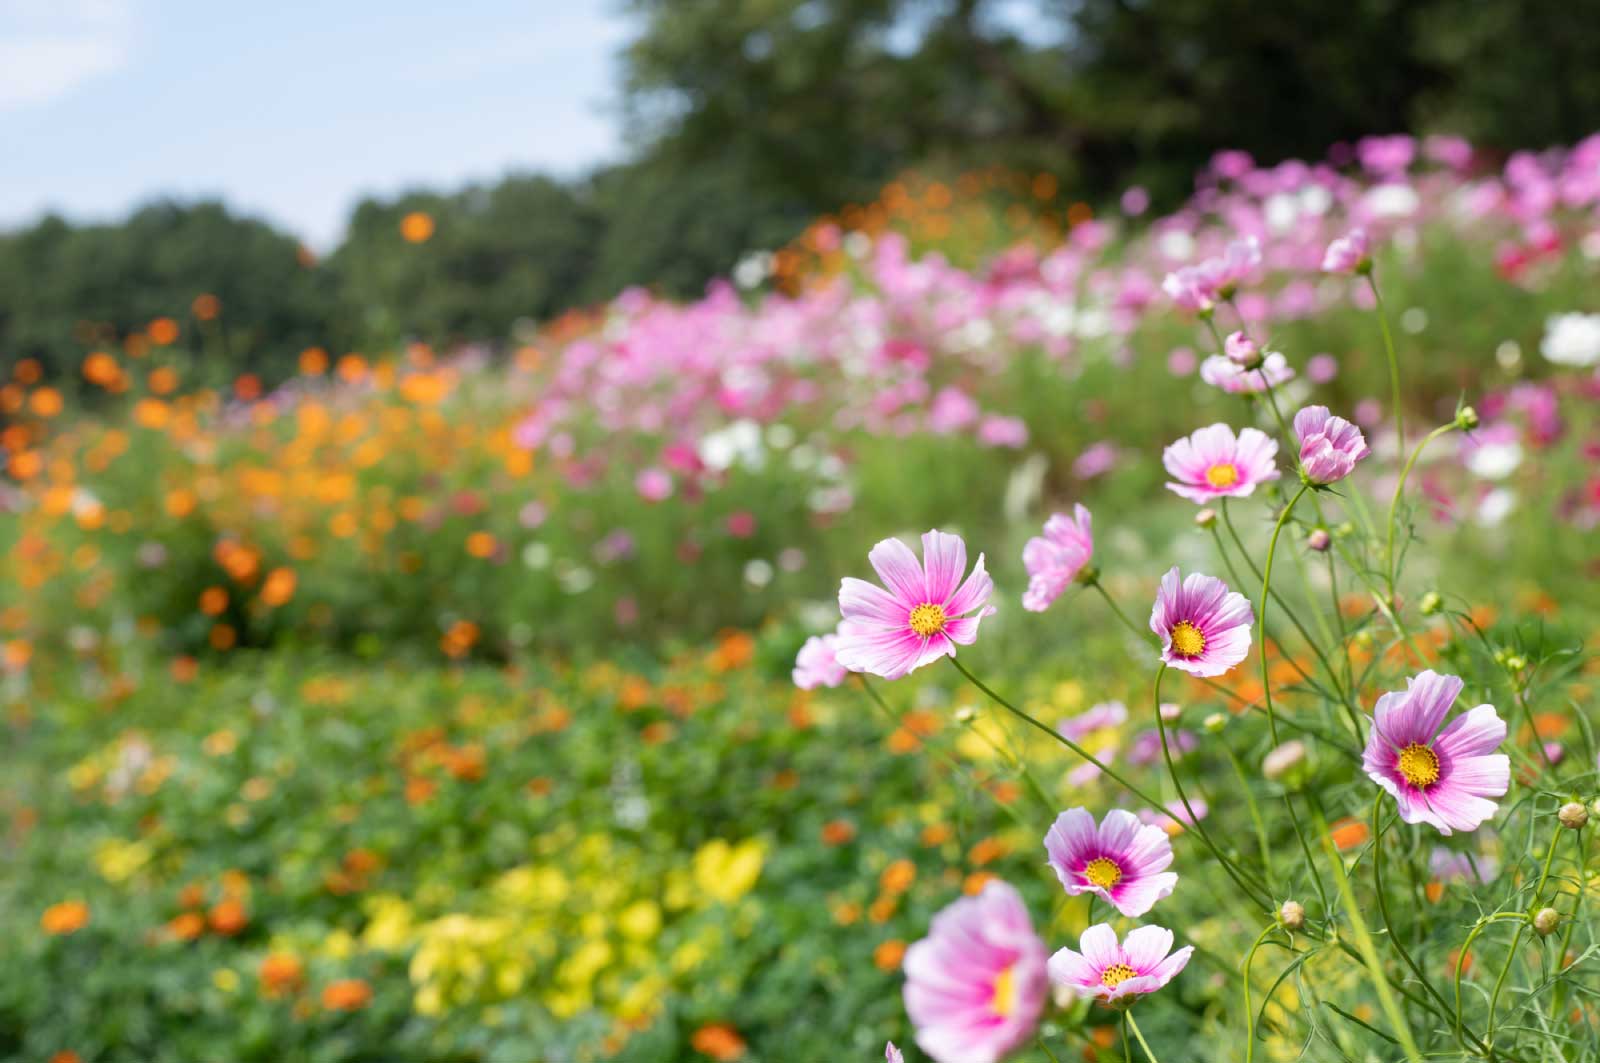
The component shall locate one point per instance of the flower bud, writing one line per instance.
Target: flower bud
(1217, 721)
(1466, 418)
(1292, 915)
(1573, 815)
(1088, 575)
(1171, 713)
(1206, 518)
(966, 714)
(1545, 921)
(1431, 603)
(1319, 540)
(1345, 530)
(1284, 759)
(1242, 350)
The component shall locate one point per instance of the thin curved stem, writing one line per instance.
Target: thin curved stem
(1154, 803)
(1249, 1008)
(1383, 902)
(1261, 610)
(1146, 636)
(1394, 505)
(1394, 362)
(1516, 939)
(1151, 1056)
(1466, 952)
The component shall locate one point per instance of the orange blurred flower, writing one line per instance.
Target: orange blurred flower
(187, 926)
(898, 876)
(1349, 833)
(719, 1041)
(213, 600)
(228, 917)
(206, 306)
(279, 587)
(887, 956)
(838, 832)
(163, 331)
(281, 973)
(313, 361)
(68, 917)
(349, 994)
(416, 227)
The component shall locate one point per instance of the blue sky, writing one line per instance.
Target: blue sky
(294, 110)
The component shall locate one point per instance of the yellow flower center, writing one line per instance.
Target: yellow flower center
(1187, 639)
(1420, 765)
(1103, 872)
(1004, 998)
(927, 619)
(1116, 974)
(1224, 475)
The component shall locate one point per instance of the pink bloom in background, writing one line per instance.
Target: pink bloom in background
(1119, 974)
(1321, 368)
(653, 484)
(1442, 778)
(1055, 559)
(1220, 371)
(976, 985)
(1098, 717)
(1096, 460)
(1348, 253)
(1174, 818)
(742, 525)
(1329, 446)
(1241, 350)
(1191, 288)
(998, 431)
(1122, 860)
(891, 1054)
(1135, 201)
(923, 615)
(1204, 627)
(1212, 463)
(1448, 866)
(817, 663)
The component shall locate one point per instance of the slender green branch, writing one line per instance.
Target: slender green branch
(1151, 1056)
(1394, 505)
(1394, 363)
(1261, 610)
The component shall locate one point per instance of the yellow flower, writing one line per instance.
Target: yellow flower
(339, 945)
(225, 980)
(726, 872)
(640, 921)
(118, 861)
(390, 924)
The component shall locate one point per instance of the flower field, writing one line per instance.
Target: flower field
(508, 706)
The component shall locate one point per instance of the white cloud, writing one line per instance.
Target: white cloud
(50, 47)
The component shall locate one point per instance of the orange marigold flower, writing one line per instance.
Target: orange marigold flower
(898, 876)
(279, 587)
(206, 306)
(68, 917)
(281, 973)
(66, 1055)
(186, 926)
(348, 994)
(481, 544)
(313, 361)
(719, 1041)
(838, 832)
(1349, 833)
(163, 331)
(213, 600)
(228, 917)
(887, 956)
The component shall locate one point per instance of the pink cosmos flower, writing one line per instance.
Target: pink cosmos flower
(1329, 446)
(1212, 463)
(975, 986)
(1119, 974)
(1241, 350)
(1347, 254)
(1191, 287)
(923, 615)
(1122, 860)
(1204, 627)
(1442, 778)
(1104, 715)
(1054, 559)
(1222, 372)
(817, 663)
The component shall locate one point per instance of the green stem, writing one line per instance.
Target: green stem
(1151, 1056)
(1466, 951)
(1394, 363)
(1261, 610)
(1255, 811)
(1143, 635)
(1383, 902)
(1516, 939)
(1368, 951)
(1249, 1008)
(1394, 505)
(1104, 768)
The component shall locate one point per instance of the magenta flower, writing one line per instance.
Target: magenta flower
(976, 985)
(1055, 559)
(1191, 287)
(1220, 371)
(1442, 778)
(817, 663)
(1212, 463)
(1204, 627)
(1122, 860)
(1329, 446)
(1119, 974)
(1350, 253)
(923, 615)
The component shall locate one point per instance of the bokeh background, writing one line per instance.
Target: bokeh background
(430, 432)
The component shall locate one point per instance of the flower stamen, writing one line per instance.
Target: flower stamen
(1222, 475)
(1116, 974)
(1187, 639)
(1103, 872)
(928, 619)
(1420, 765)
(1004, 997)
